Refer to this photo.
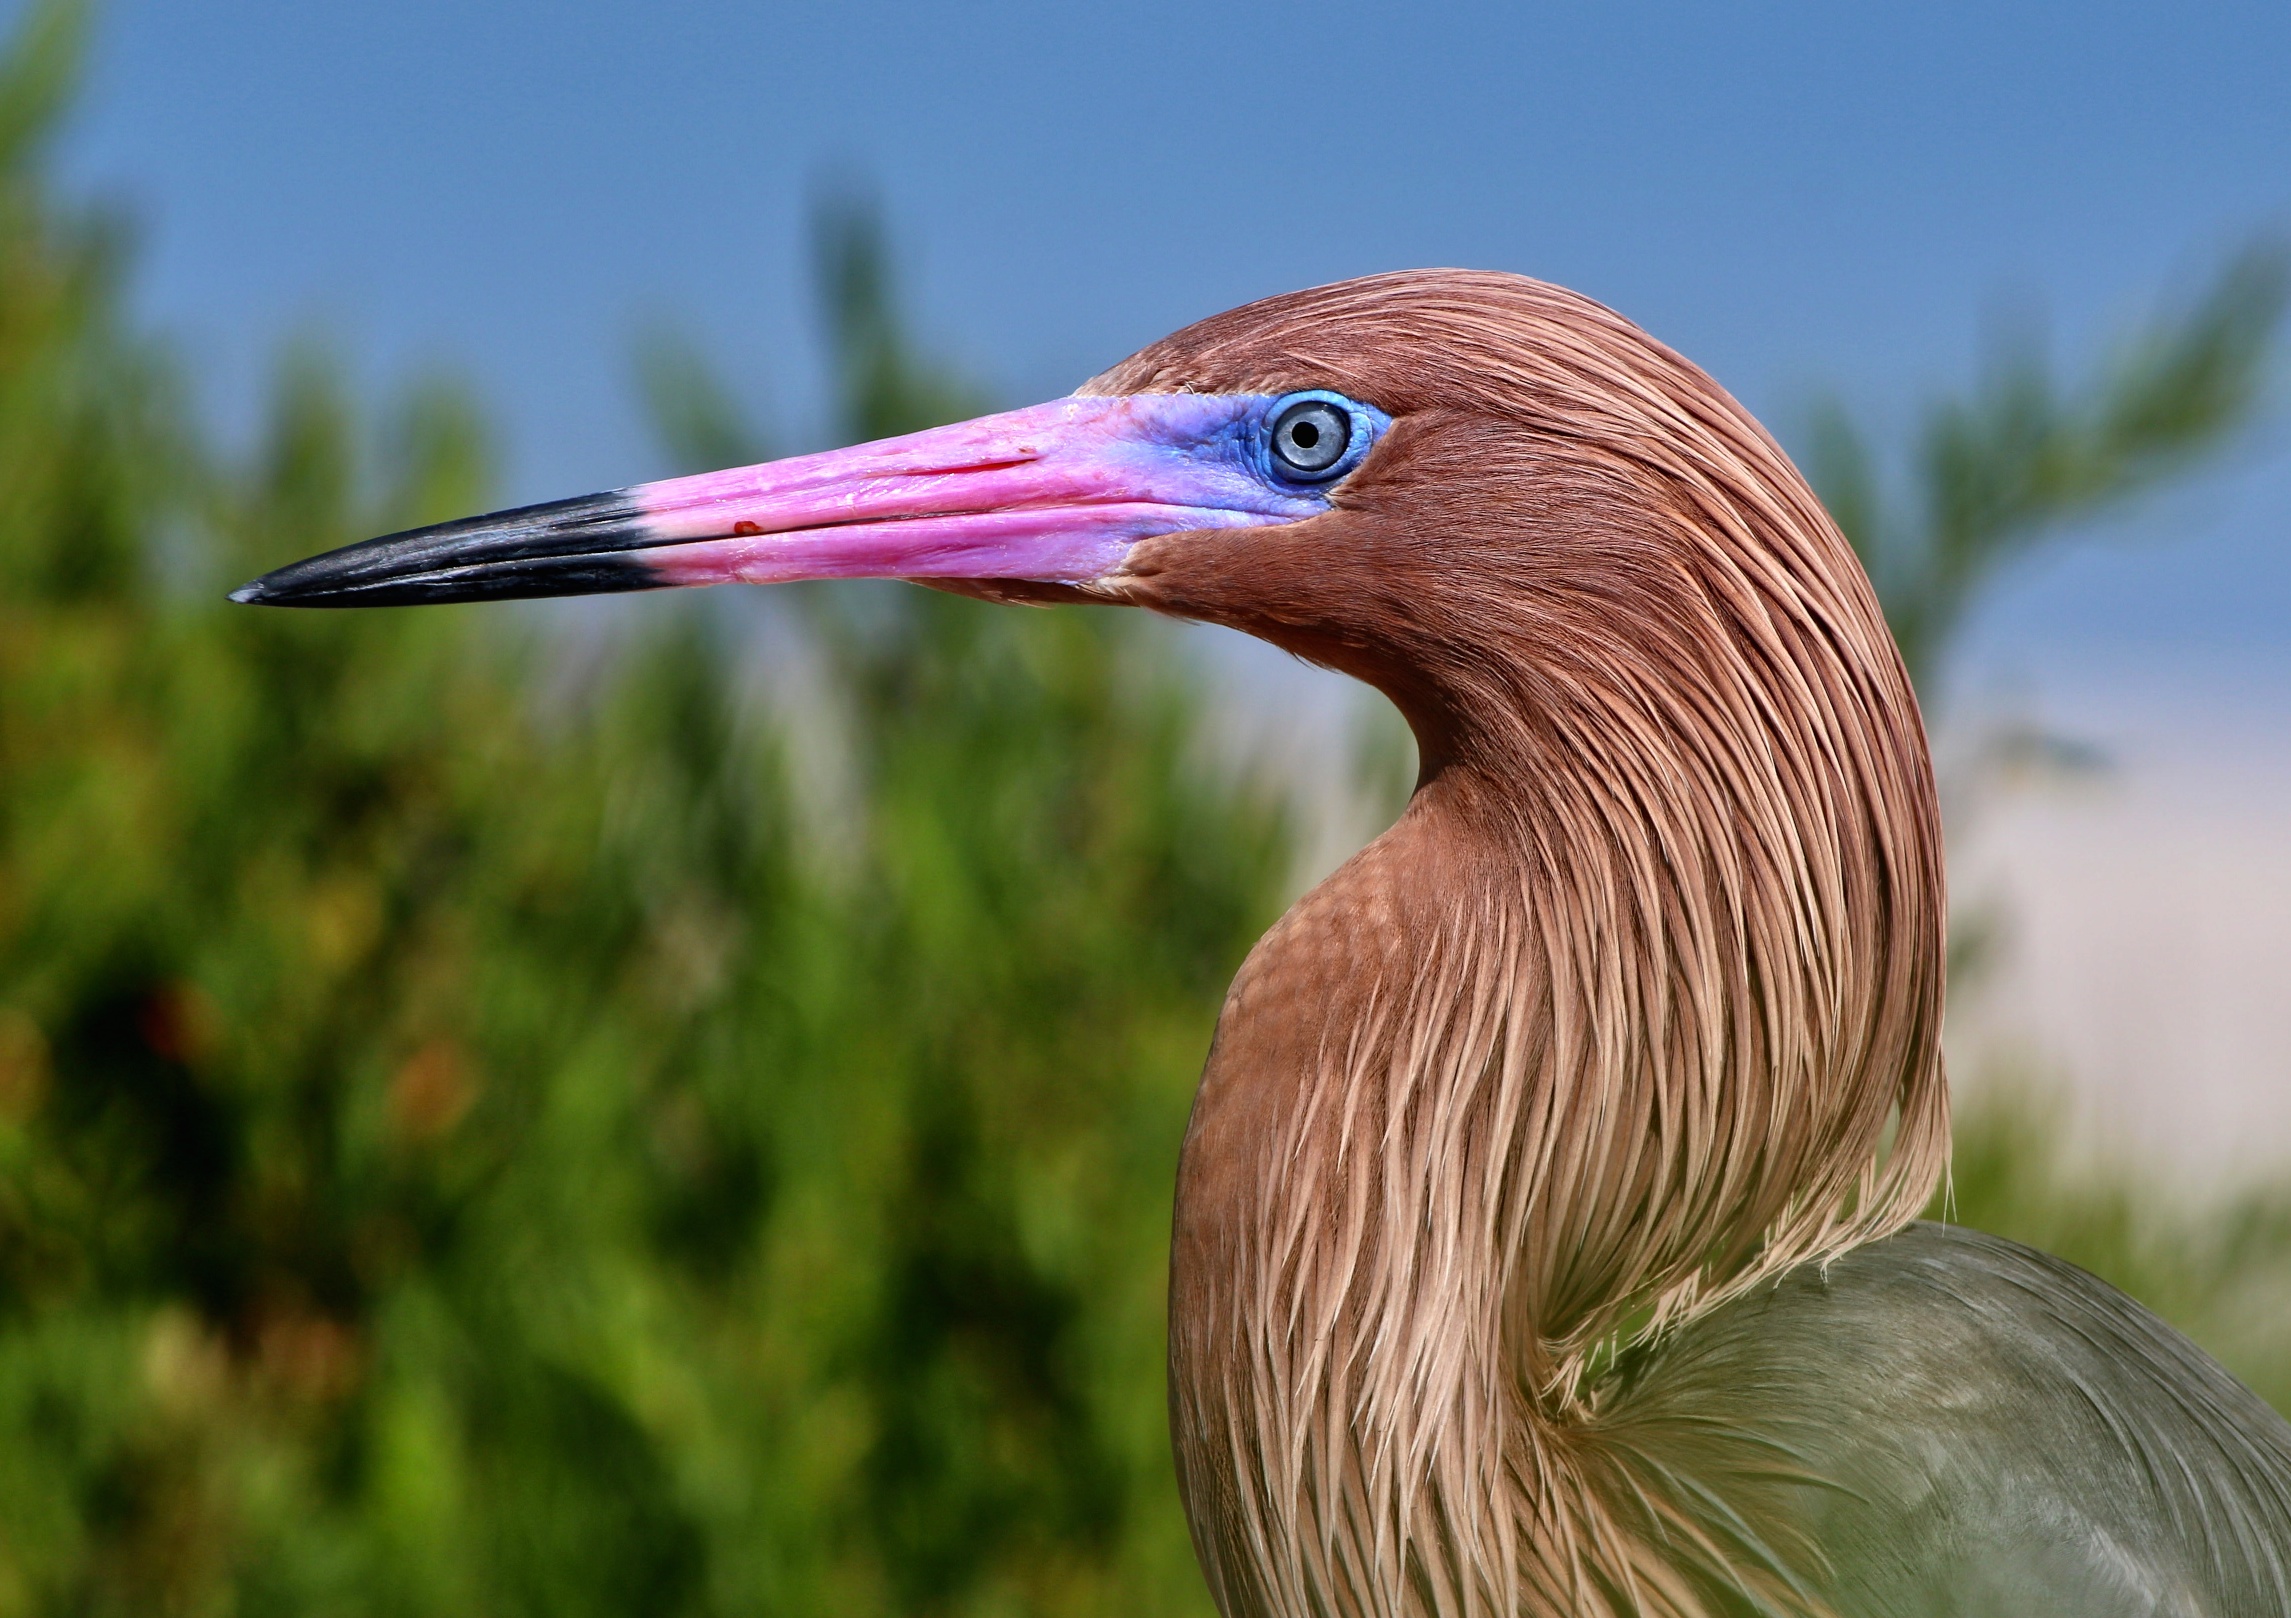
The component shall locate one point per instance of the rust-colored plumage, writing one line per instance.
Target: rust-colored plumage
(1618, 1019)
(1539, 1240)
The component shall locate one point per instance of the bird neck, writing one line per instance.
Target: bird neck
(1567, 1055)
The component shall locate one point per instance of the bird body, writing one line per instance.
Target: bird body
(1980, 1430)
(1540, 1240)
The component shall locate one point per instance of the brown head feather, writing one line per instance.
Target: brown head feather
(1636, 1005)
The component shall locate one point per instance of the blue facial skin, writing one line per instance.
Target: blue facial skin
(1244, 441)
(1367, 423)
(1214, 452)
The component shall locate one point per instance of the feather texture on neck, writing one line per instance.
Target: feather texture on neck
(1638, 1003)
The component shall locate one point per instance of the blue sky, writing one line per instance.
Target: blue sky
(1800, 196)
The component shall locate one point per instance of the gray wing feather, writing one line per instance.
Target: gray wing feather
(1974, 1428)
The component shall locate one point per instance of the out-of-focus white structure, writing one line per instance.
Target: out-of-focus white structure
(2142, 964)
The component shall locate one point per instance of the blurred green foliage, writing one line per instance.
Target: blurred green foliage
(468, 1150)
(466, 1153)
(2001, 472)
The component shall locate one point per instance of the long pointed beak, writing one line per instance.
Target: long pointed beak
(1057, 493)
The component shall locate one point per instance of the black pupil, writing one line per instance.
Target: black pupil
(1311, 436)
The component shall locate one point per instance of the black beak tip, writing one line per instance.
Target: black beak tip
(565, 547)
(281, 588)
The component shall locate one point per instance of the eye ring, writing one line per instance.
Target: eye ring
(1310, 438)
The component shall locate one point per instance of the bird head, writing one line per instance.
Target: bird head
(1666, 719)
(1043, 504)
(1468, 489)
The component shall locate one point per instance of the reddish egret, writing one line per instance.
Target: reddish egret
(1544, 1236)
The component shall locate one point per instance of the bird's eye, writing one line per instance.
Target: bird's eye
(1310, 438)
